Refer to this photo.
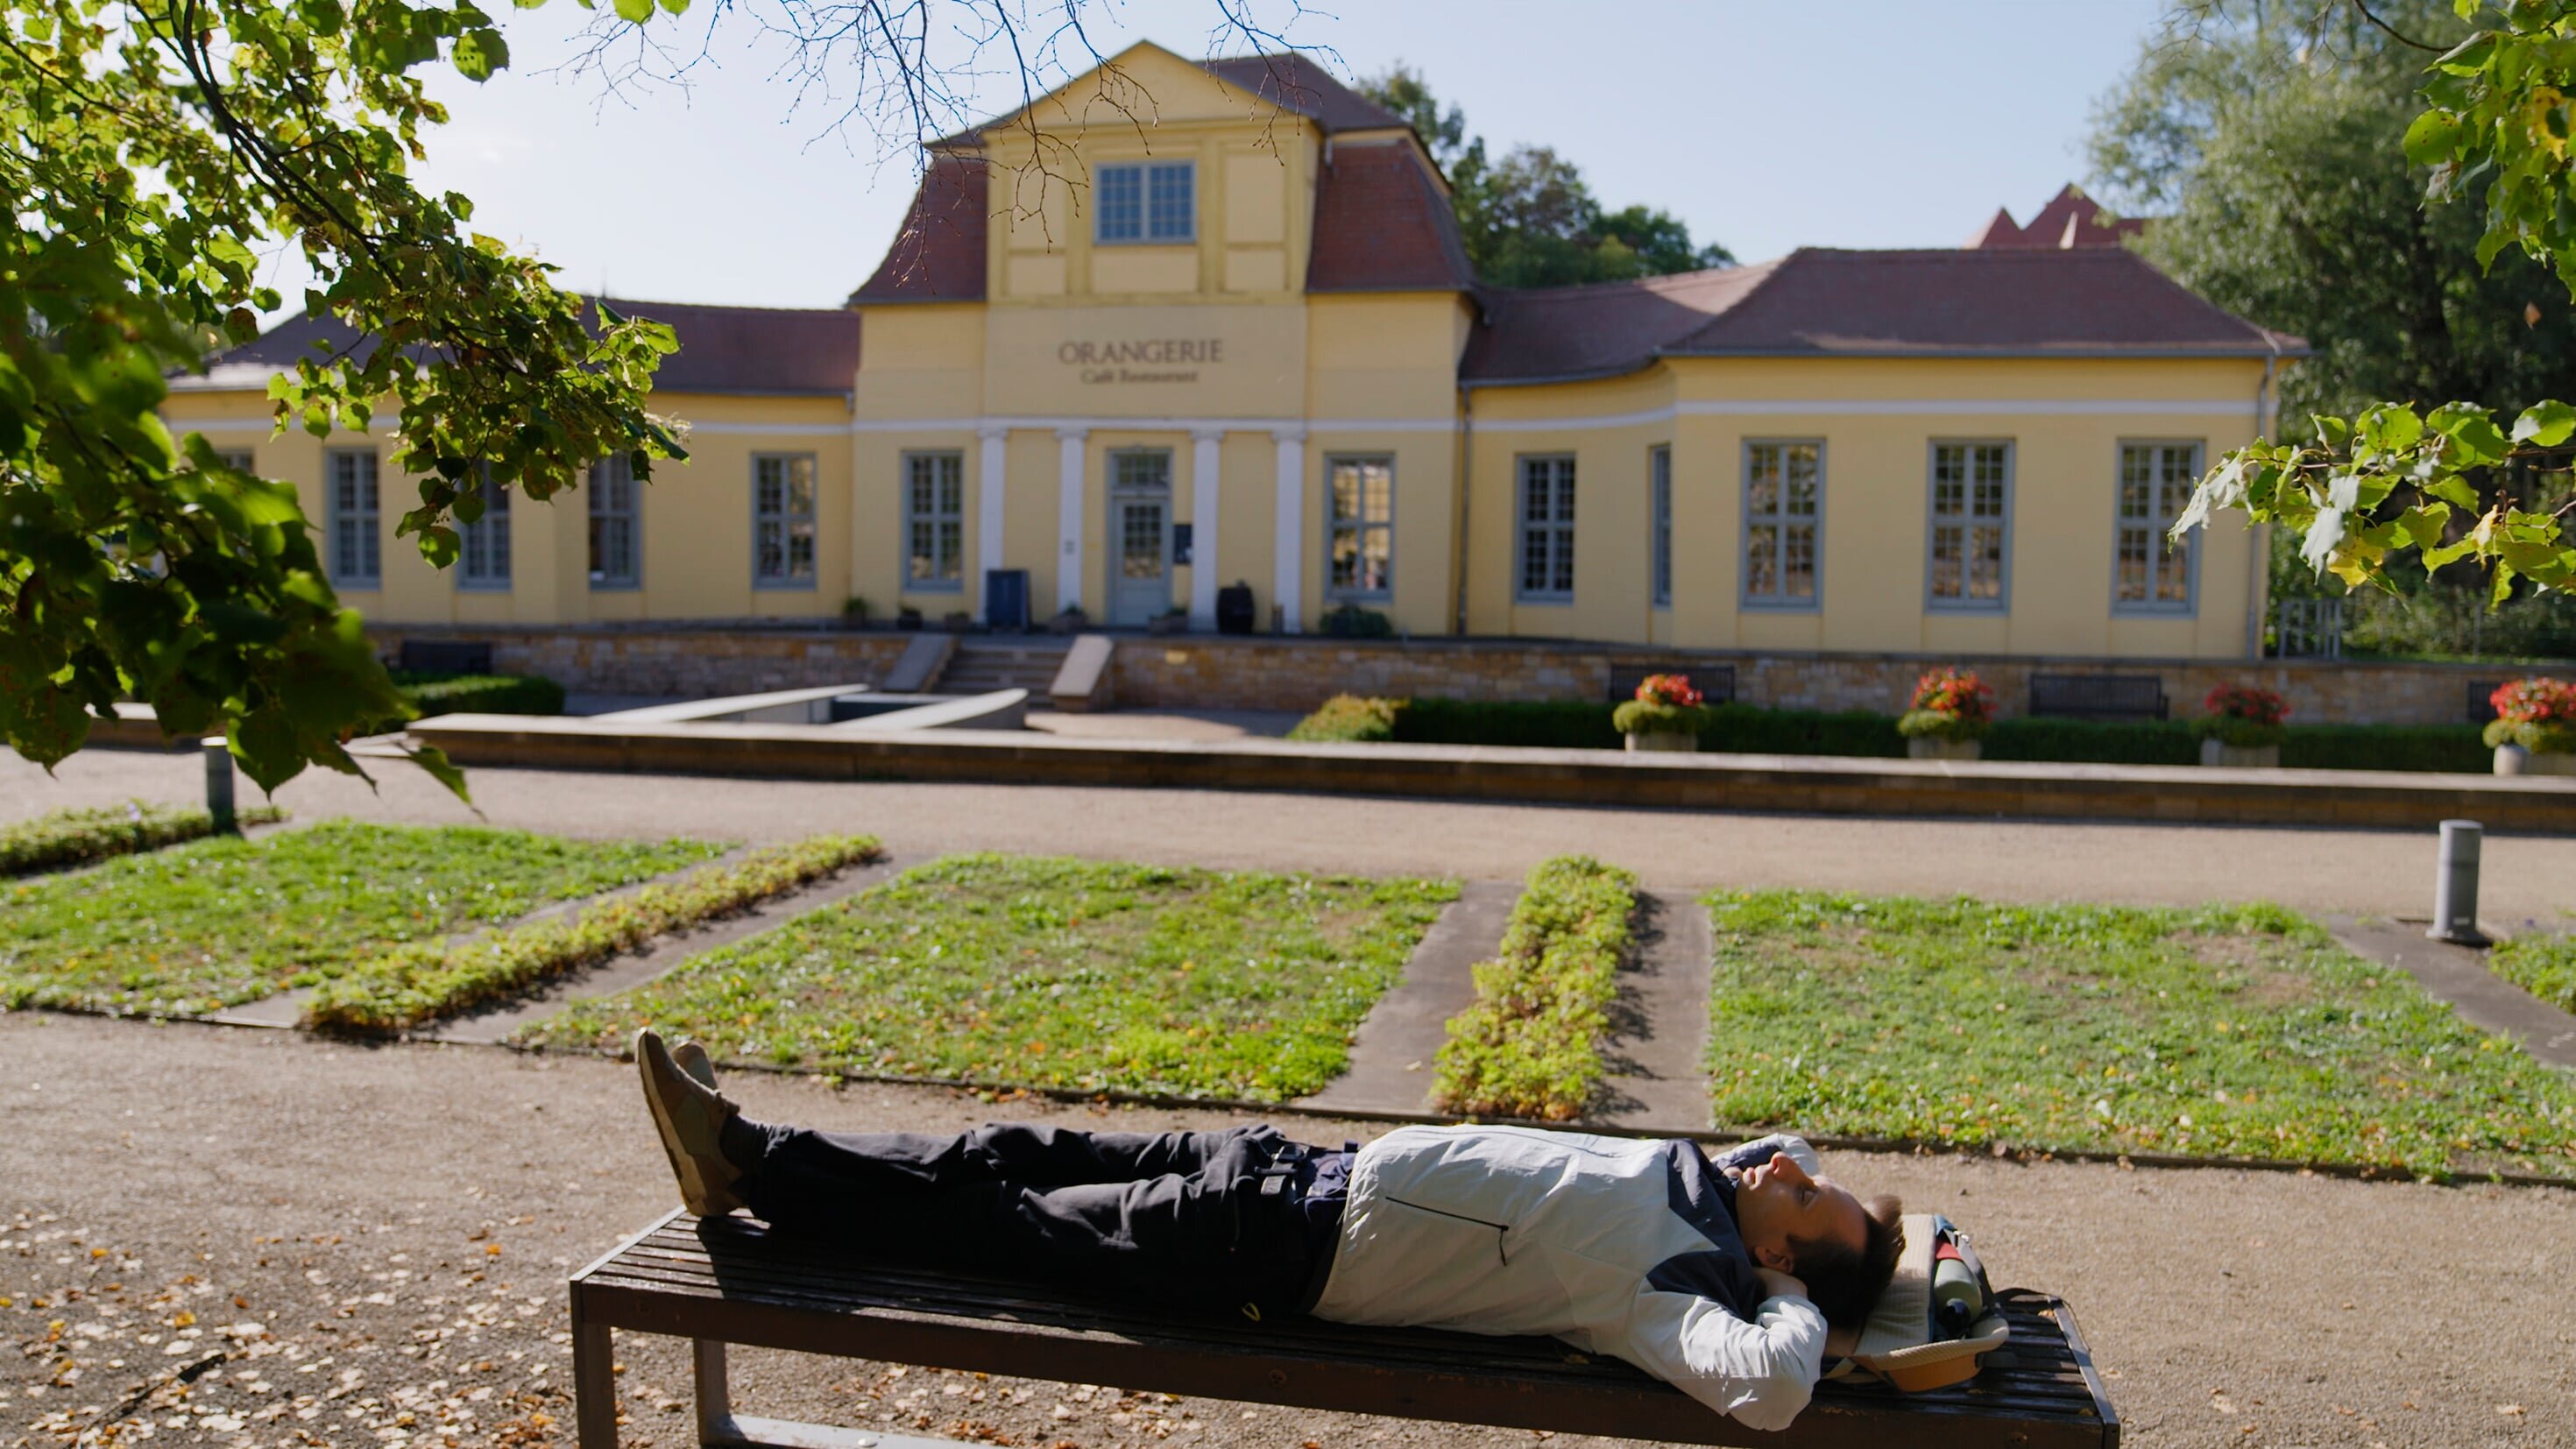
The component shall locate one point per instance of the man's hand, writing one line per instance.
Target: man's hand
(1776, 1284)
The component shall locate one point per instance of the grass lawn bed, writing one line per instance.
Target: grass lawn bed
(1047, 972)
(1530, 1043)
(224, 921)
(2227, 1032)
(2545, 966)
(429, 979)
(76, 836)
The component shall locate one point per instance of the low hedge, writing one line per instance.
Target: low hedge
(474, 694)
(2545, 966)
(1739, 728)
(77, 836)
(1530, 1043)
(426, 980)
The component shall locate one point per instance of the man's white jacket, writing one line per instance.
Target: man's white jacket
(1615, 1245)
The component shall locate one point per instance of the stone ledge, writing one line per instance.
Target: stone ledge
(1818, 784)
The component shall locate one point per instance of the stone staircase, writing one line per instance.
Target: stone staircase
(982, 665)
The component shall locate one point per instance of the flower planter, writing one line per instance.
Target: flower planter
(1167, 624)
(1678, 742)
(2516, 760)
(2220, 754)
(1929, 747)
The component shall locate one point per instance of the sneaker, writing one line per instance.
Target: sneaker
(690, 1114)
(692, 1058)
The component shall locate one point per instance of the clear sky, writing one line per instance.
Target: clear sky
(1765, 124)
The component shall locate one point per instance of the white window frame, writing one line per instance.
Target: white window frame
(2155, 527)
(616, 499)
(792, 523)
(356, 515)
(1150, 179)
(1965, 520)
(1556, 473)
(944, 471)
(1781, 520)
(1659, 525)
(483, 546)
(1358, 528)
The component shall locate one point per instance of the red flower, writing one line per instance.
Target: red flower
(2535, 700)
(2245, 702)
(1670, 690)
(1955, 692)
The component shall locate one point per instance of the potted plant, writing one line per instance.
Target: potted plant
(1952, 710)
(1666, 715)
(854, 612)
(1069, 620)
(2534, 731)
(2242, 728)
(1350, 621)
(1171, 621)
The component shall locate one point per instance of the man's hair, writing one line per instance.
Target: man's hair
(1844, 1284)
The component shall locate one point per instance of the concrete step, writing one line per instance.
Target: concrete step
(979, 667)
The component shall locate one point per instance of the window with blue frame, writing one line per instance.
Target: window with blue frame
(1148, 201)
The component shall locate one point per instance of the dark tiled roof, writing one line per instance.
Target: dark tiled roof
(938, 254)
(1294, 82)
(2086, 302)
(2070, 219)
(1600, 330)
(762, 350)
(1381, 225)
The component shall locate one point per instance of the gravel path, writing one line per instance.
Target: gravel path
(2362, 872)
(375, 1239)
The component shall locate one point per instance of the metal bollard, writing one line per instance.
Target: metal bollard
(2455, 885)
(219, 784)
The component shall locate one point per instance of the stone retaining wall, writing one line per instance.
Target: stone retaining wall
(1199, 672)
(695, 662)
(1298, 674)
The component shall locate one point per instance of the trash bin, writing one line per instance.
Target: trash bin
(1234, 608)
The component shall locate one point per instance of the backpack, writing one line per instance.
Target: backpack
(1937, 1319)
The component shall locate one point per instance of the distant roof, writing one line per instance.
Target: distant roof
(2088, 302)
(938, 252)
(1290, 81)
(770, 351)
(1381, 225)
(2070, 219)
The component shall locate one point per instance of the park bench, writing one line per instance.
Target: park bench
(1715, 682)
(2097, 696)
(722, 1281)
(444, 656)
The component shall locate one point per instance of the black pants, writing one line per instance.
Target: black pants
(1173, 1217)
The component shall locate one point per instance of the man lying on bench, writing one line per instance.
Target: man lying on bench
(1719, 1278)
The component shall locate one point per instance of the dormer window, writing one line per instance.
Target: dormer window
(1148, 201)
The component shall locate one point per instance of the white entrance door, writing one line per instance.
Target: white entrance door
(1140, 536)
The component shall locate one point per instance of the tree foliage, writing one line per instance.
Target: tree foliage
(1529, 219)
(152, 146)
(2409, 481)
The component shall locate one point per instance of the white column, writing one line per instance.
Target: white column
(1288, 553)
(1207, 455)
(1070, 444)
(991, 484)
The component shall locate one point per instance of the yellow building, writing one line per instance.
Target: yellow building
(1186, 325)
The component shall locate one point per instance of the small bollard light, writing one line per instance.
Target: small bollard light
(219, 784)
(2455, 885)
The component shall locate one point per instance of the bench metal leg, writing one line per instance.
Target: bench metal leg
(594, 1385)
(715, 1395)
(719, 1429)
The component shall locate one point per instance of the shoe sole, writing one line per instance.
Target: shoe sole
(696, 1193)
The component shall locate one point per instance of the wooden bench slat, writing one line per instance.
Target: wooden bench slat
(734, 1281)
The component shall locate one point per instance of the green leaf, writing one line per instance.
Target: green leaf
(637, 11)
(2323, 535)
(2546, 424)
(2423, 524)
(434, 760)
(2454, 491)
(478, 53)
(2432, 139)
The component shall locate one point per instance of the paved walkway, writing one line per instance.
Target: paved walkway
(400, 1219)
(2360, 872)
